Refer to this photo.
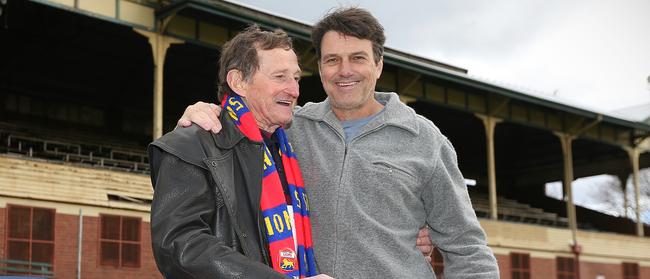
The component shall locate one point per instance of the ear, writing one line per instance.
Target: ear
(235, 80)
(319, 71)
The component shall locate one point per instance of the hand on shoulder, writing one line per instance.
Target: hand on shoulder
(206, 115)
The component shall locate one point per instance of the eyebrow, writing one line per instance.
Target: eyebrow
(286, 71)
(363, 52)
(330, 55)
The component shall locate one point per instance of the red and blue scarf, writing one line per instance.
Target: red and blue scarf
(276, 220)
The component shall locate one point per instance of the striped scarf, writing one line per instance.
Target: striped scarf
(277, 222)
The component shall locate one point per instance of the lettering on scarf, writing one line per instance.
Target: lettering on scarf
(236, 103)
(234, 107)
(297, 195)
(267, 158)
(278, 223)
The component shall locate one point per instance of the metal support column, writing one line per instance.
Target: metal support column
(567, 153)
(489, 122)
(159, 45)
(634, 153)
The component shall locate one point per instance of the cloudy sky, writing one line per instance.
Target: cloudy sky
(593, 54)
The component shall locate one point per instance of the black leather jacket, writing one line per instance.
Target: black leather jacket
(205, 215)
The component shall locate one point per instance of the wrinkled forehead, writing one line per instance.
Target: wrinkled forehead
(278, 59)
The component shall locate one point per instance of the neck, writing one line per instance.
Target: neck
(267, 128)
(261, 123)
(366, 110)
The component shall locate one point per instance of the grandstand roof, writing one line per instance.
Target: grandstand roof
(640, 112)
(215, 11)
(391, 56)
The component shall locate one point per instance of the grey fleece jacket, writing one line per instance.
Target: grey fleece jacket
(370, 197)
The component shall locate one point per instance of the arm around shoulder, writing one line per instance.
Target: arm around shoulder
(455, 229)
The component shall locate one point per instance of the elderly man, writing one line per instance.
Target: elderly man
(375, 169)
(233, 205)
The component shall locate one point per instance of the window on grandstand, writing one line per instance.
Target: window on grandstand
(520, 265)
(30, 240)
(630, 271)
(565, 268)
(119, 241)
(437, 263)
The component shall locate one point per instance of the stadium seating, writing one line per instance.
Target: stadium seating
(86, 149)
(116, 154)
(511, 210)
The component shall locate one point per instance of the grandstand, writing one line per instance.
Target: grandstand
(94, 152)
(85, 85)
(511, 210)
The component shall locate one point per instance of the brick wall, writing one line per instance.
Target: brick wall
(541, 268)
(65, 245)
(591, 270)
(644, 272)
(65, 258)
(544, 268)
(65, 250)
(90, 255)
(3, 233)
(504, 266)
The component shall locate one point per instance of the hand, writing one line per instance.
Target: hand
(423, 243)
(320, 276)
(203, 114)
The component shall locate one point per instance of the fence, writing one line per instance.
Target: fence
(18, 267)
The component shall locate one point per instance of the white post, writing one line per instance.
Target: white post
(79, 242)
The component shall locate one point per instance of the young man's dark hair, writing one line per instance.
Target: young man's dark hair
(355, 22)
(241, 52)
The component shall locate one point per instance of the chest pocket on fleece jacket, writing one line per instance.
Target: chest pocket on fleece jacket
(385, 190)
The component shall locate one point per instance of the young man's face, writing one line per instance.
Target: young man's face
(348, 71)
(273, 90)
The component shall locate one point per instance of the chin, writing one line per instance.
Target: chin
(346, 105)
(287, 124)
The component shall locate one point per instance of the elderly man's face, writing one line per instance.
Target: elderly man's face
(272, 91)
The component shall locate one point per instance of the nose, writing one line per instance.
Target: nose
(345, 68)
(293, 89)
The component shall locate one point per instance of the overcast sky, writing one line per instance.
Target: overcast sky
(593, 54)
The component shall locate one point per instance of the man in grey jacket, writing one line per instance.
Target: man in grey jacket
(378, 171)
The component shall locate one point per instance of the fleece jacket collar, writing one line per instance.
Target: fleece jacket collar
(395, 114)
